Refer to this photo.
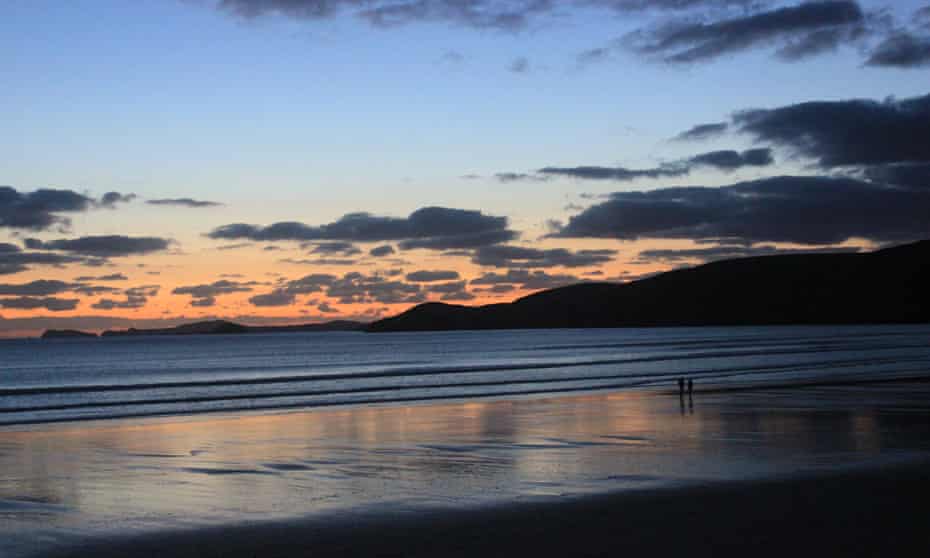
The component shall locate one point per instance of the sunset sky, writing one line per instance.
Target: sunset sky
(287, 161)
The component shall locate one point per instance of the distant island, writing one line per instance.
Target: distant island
(211, 327)
(66, 334)
(886, 286)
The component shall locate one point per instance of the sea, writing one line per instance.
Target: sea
(115, 436)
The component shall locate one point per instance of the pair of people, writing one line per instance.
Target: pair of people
(681, 387)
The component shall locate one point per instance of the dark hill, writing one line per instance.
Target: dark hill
(224, 327)
(886, 286)
(67, 334)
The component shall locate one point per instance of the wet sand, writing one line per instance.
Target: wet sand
(835, 470)
(858, 513)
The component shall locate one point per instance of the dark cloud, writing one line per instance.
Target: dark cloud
(109, 246)
(14, 260)
(851, 132)
(52, 304)
(130, 302)
(135, 297)
(901, 50)
(524, 279)
(729, 160)
(724, 252)
(184, 202)
(457, 296)
(205, 295)
(38, 210)
(912, 175)
(93, 290)
(319, 261)
(520, 256)
(670, 5)
(506, 177)
(797, 209)
(111, 277)
(358, 288)
(724, 160)
(341, 248)
(326, 308)
(41, 287)
(427, 276)
(204, 302)
(381, 251)
(703, 132)
(619, 174)
(802, 30)
(233, 246)
(110, 199)
(274, 298)
(446, 288)
(508, 15)
(313, 283)
(430, 227)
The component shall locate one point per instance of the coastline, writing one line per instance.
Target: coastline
(880, 511)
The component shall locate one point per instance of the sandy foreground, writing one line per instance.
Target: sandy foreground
(884, 512)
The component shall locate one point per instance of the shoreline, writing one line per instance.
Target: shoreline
(877, 511)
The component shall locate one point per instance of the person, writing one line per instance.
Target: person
(690, 387)
(681, 387)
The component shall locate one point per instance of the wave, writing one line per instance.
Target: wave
(427, 371)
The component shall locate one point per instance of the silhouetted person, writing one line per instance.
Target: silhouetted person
(681, 387)
(690, 387)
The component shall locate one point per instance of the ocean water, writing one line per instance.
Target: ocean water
(79, 379)
(111, 437)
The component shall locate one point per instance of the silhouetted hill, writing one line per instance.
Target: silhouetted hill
(224, 327)
(66, 334)
(886, 286)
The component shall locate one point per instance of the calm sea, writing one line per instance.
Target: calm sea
(83, 379)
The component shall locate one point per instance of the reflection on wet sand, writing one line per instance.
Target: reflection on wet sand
(176, 472)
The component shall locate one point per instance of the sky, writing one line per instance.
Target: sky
(290, 161)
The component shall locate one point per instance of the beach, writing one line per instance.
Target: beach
(874, 512)
(836, 470)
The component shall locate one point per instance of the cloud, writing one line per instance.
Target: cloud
(519, 256)
(110, 199)
(800, 31)
(41, 287)
(437, 228)
(703, 132)
(326, 308)
(524, 279)
(14, 260)
(381, 251)
(724, 160)
(109, 246)
(205, 295)
(505, 15)
(110, 277)
(341, 248)
(426, 276)
(724, 252)
(184, 202)
(38, 210)
(272, 299)
(912, 175)
(52, 304)
(850, 132)
(901, 50)
(506, 177)
(136, 297)
(796, 209)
